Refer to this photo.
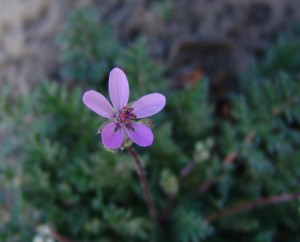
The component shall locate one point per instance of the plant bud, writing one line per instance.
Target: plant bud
(169, 183)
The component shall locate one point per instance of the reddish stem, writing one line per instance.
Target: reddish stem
(252, 205)
(187, 169)
(144, 184)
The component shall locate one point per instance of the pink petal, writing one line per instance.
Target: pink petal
(98, 103)
(118, 88)
(148, 105)
(112, 135)
(140, 134)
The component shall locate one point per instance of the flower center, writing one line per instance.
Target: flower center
(126, 115)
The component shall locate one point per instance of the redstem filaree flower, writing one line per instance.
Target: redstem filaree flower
(123, 123)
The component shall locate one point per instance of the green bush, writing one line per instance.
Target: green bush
(199, 165)
(88, 47)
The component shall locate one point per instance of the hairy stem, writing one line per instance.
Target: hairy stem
(144, 184)
(253, 204)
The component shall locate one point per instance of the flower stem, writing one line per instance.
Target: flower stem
(144, 184)
(253, 204)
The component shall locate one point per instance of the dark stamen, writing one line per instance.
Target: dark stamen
(126, 115)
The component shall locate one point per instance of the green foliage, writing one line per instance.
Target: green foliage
(54, 170)
(164, 9)
(62, 160)
(88, 46)
(144, 75)
(284, 56)
(191, 112)
(264, 134)
(15, 216)
(276, 108)
(189, 226)
(269, 112)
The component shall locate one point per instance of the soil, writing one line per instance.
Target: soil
(216, 37)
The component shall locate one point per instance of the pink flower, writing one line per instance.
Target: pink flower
(122, 117)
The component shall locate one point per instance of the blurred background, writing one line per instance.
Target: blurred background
(224, 165)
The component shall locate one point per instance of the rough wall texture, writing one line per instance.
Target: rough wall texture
(28, 29)
(213, 35)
